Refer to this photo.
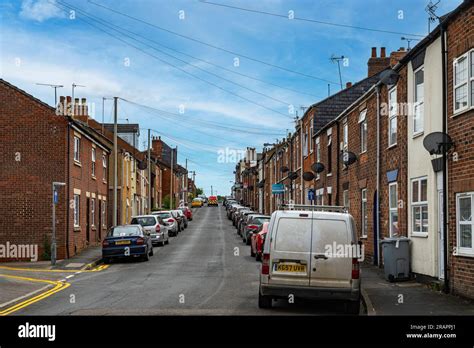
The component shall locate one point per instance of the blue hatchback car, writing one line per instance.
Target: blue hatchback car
(127, 241)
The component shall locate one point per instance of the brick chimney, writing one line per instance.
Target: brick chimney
(377, 64)
(157, 147)
(396, 56)
(81, 112)
(348, 84)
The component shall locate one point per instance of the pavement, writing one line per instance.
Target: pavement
(408, 297)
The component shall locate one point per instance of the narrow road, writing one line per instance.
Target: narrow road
(205, 270)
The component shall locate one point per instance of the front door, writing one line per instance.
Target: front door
(440, 235)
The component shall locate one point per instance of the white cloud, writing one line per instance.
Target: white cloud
(40, 10)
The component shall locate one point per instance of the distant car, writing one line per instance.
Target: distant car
(244, 216)
(155, 225)
(253, 226)
(126, 241)
(212, 201)
(196, 203)
(170, 220)
(183, 216)
(179, 216)
(257, 241)
(188, 212)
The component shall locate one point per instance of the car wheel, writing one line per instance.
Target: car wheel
(264, 301)
(168, 240)
(146, 257)
(252, 254)
(162, 244)
(352, 307)
(247, 241)
(152, 252)
(257, 256)
(107, 260)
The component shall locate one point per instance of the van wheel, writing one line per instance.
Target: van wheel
(352, 307)
(264, 301)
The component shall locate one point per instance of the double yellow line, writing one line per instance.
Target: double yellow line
(57, 286)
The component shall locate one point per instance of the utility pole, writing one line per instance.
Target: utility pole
(53, 235)
(338, 60)
(212, 191)
(185, 200)
(55, 91)
(115, 163)
(149, 172)
(171, 179)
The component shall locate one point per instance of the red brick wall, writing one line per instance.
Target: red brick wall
(461, 129)
(39, 136)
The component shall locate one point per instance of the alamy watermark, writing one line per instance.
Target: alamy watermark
(19, 251)
(353, 251)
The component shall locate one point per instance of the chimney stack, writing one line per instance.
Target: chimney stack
(377, 64)
(396, 56)
(348, 84)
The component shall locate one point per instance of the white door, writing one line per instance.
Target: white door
(440, 235)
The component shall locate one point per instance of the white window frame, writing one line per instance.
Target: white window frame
(463, 250)
(329, 154)
(77, 210)
(418, 104)
(93, 212)
(363, 131)
(103, 212)
(93, 157)
(305, 143)
(104, 167)
(345, 135)
(469, 82)
(419, 205)
(392, 115)
(311, 139)
(393, 209)
(318, 154)
(77, 149)
(363, 209)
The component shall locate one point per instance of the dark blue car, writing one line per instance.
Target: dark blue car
(127, 241)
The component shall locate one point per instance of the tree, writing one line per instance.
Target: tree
(199, 191)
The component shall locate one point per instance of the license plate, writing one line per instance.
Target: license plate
(291, 267)
(122, 242)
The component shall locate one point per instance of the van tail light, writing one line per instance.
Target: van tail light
(158, 228)
(140, 241)
(266, 264)
(105, 243)
(355, 268)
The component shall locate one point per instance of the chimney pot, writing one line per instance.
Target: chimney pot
(382, 52)
(374, 52)
(348, 84)
(83, 101)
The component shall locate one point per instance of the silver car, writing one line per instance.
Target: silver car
(155, 226)
(170, 221)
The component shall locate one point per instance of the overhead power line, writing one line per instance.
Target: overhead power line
(68, 6)
(307, 19)
(211, 45)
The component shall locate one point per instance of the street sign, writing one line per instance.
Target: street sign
(55, 197)
(311, 195)
(278, 188)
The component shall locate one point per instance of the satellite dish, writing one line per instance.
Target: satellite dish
(436, 142)
(292, 175)
(317, 167)
(389, 77)
(348, 157)
(142, 165)
(284, 169)
(308, 176)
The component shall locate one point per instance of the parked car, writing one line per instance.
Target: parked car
(126, 241)
(254, 222)
(238, 213)
(257, 241)
(170, 220)
(179, 216)
(155, 225)
(182, 215)
(231, 209)
(212, 201)
(296, 261)
(188, 212)
(244, 214)
(196, 203)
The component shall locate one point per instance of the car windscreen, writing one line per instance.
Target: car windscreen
(125, 231)
(259, 220)
(164, 215)
(144, 221)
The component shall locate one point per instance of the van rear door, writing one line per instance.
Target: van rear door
(290, 255)
(329, 269)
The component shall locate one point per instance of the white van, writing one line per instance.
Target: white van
(309, 253)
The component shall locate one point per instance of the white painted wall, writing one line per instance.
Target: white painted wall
(424, 252)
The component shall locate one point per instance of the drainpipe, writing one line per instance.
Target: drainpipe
(336, 143)
(377, 213)
(68, 186)
(445, 162)
(301, 167)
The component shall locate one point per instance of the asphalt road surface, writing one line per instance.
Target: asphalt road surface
(205, 270)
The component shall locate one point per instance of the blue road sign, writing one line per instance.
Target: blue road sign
(278, 188)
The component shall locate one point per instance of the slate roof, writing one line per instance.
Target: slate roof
(123, 127)
(328, 109)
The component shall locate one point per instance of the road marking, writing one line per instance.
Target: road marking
(58, 286)
(24, 296)
(70, 276)
(97, 269)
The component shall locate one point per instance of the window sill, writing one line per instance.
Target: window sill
(362, 153)
(93, 177)
(77, 228)
(419, 234)
(417, 135)
(391, 146)
(462, 111)
(363, 237)
(104, 181)
(77, 163)
(465, 253)
(329, 174)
